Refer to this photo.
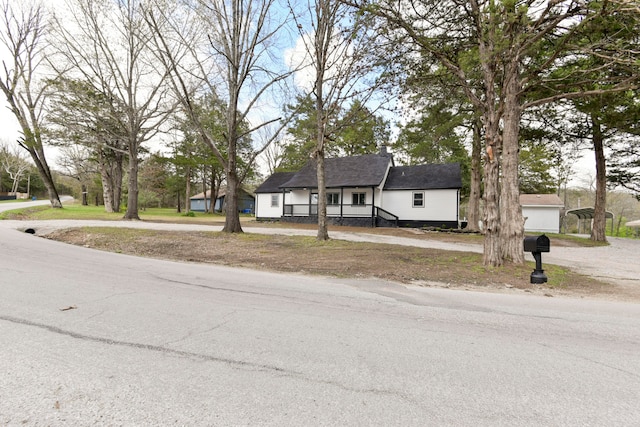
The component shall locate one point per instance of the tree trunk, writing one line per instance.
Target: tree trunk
(107, 182)
(511, 219)
(204, 190)
(492, 255)
(491, 222)
(187, 195)
(619, 222)
(323, 233)
(214, 192)
(37, 155)
(132, 197)
(234, 81)
(232, 219)
(83, 188)
(598, 230)
(111, 178)
(116, 178)
(473, 210)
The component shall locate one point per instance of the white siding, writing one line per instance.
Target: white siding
(299, 197)
(264, 208)
(542, 218)
(439, 205)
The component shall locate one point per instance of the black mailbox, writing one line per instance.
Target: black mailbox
(536, 245)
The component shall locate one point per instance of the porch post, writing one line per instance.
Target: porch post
(373, 207)
(341, 201)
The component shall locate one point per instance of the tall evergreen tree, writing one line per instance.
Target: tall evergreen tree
(515, 44)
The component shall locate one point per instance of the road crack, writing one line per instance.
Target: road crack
(148, 347)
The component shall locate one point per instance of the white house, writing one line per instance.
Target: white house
(270, 198)
(541, 212)
(365, 190)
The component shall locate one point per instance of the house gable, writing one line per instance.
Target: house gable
(357, 171)
(274, 182)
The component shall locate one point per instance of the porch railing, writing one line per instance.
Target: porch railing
(332, 210)
(387, 216)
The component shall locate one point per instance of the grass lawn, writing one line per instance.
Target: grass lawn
(77, 211)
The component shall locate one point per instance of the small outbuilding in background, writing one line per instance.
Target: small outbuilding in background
(541, 212)
(202, 202)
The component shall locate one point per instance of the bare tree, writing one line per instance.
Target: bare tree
(273, 155)
(108, 46)
(337, 47)
(14, 163)
(223, 48)
(22, 33)
(76, 163)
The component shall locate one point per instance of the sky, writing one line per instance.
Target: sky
(9, 128)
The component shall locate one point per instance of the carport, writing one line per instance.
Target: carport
(588, 214)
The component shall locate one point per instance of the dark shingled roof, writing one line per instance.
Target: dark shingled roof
(356, 171)
(273, 183)
(424, 177)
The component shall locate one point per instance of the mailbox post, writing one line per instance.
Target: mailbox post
(536, 245)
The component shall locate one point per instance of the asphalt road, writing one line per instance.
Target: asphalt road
(88, 337)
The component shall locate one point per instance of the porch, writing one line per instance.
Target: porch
(366, 215)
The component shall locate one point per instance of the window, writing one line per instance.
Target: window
(418, 200)
(333, 198)
(275, 200)
(358, 199)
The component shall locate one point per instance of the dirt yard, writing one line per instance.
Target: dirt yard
(407, 265)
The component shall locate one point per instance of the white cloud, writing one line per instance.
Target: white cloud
(297, 58)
